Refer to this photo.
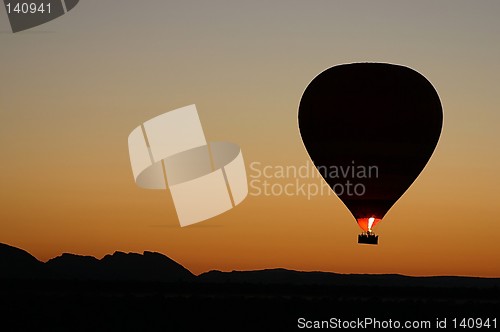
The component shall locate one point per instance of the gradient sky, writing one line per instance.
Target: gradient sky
(73, 89)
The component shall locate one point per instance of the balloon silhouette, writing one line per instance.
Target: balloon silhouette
(370, 129)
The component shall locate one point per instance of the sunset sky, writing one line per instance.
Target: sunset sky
(73, 89)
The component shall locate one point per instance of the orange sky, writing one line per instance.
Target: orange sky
(73, 89)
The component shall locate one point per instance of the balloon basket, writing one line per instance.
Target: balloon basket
(367, 238)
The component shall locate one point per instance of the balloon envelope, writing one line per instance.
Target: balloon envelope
(370, 129)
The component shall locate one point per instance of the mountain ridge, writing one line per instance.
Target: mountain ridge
(153, 266)
(16, 263)
(320, 278)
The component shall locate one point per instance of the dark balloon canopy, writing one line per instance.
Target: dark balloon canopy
(370, 128)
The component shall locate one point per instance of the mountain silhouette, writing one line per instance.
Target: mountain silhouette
(150, 266)
(151, 292)
(17, 263)
(70, 266)
(290, 277)
(155, 267)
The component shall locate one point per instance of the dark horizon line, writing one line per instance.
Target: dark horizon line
(263, 270)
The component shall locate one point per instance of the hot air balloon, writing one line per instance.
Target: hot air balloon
(370, 116)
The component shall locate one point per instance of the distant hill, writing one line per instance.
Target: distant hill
(151, 266)
(151, 292)
(17, 263)
(70, 266)
(283, 276)
(147, 267)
